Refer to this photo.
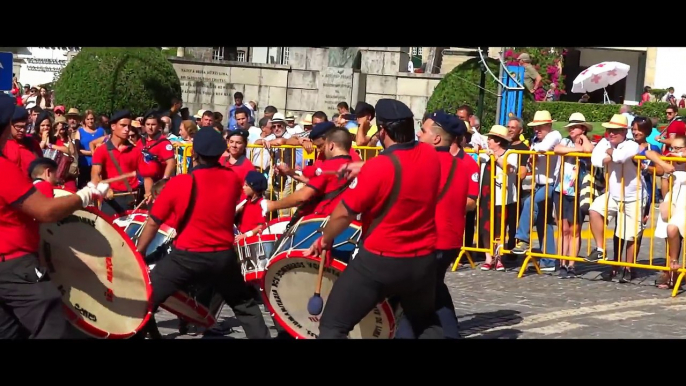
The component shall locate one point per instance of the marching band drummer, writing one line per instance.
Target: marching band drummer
(157, 150)
(118, 156)
(43, 173)
(30, 302)
(323, 191)
(21, 149)
(251, 220)
(203, 250)
(458, 193)
(396, 256)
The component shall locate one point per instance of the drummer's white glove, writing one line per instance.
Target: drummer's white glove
(91, 193)
(263, 205)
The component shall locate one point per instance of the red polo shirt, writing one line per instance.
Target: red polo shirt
(22, 153)
(241, 168)
(409, 227)
(451, 208)
(675, 127)
(130, 159)
(309, 171)
(210, 225)
(251, 216)
(19, 231)
(44, 187)
(324, 184)
(160, 147)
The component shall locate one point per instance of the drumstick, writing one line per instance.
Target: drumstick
(316, 304)
(119, 178)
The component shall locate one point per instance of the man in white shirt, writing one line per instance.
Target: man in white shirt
(544, 176)
(291, 127)
(615, 153)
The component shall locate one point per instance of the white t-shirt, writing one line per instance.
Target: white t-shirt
(254, 134)
(30, 102)
(511, 188)
(544, 172)
(294, 130)
(622, 165)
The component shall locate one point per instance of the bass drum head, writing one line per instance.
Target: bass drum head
(289, 282)
(61, 192)
(103, 280)
(276, 226)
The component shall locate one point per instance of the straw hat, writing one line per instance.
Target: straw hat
(618, 121)
(135, 124)
(73, 112)
(290, 116)
(578, 119)
(59, 119)
(499, 131)
(199, 114)
(307, 120)
(541, 118)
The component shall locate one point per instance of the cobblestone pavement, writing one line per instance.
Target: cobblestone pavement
(499, 305)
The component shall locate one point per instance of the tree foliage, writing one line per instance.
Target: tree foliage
(115, 78)
(461, 86)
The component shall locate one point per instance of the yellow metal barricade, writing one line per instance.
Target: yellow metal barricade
(467, 251)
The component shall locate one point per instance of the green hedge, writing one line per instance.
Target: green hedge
(593, 112)
(115, 78)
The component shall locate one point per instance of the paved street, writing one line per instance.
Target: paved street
(498, 305)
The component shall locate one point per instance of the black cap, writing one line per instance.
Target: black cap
(392, 110)
(364, 108)
(256, 180)
(451, 123)
(241, 132)
(20, 114)
(349, 117)
(208, 142)
(121, 114)
(42, 161)
(320, 129)
(7, 107)
(152, 114)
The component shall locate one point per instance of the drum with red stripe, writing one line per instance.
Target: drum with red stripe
(103, 279)
(288, 284)
(182, 304)
(254, 253)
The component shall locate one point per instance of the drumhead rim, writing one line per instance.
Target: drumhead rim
(80, 322)
(257, 238)
(279, 220)
(203, 311)
(304, 219)
(337, 264)
(163, 227)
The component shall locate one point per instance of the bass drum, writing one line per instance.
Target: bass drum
(276, 226)
(289, 282)
(103, 280)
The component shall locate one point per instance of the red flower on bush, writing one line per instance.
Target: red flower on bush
(509, 54)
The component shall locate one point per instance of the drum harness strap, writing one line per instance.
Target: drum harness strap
(119, 170)
(451, 174)
(395, 192)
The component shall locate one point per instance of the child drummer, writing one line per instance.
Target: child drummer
(43, 173)
(251, 220)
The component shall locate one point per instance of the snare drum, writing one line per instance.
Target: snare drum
(277, 226)
(306, 231)
(254, 253)
(289, 282)
(133, 226)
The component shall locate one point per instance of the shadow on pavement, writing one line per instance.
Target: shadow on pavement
(478, 322)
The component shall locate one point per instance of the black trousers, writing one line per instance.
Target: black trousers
(371, 278)
(219, 269)
(118, 205)
(84, 176)
(30, 305)
(445, 309)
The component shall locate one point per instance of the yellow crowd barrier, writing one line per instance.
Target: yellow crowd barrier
(567, 239)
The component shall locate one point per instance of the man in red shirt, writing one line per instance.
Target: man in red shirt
(158, 151)
(21, 149)
(458, 192)
(396, 194)
(43, 174)
(30, 302)
(323, 191)
(204, 202)
(675, 127)
(116, 157)
(252, 219)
